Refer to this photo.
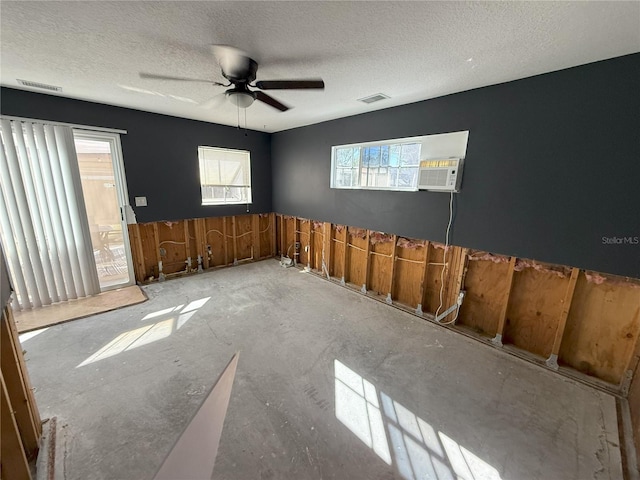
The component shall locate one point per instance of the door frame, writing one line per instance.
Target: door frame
(122, 192)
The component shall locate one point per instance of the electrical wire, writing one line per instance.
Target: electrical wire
(444, 259)
(268, 225)
(454, 318)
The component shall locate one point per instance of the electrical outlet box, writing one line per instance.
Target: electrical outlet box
(141, 201)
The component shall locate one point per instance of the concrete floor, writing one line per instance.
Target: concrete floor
(330, 384)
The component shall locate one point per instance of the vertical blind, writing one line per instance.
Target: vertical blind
(43, 221)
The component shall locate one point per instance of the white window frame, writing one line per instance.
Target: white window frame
(212, 202)
(383, 143)
(434, 146)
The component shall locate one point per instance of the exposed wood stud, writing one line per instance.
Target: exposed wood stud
(18, 385)
(296, 240)
(14, 460)
(282, 235)
(235, 240)
(255, 233)
(392, 272)
(272, 226)
(137, 251)
(310, 245)
(187, 243)
(552, 361)
(423, 283)
(459, 275)
(367, 263)
(201, 239)
(497, 340)
(327, 247)
(345, 256)
(156, 237)
(224, 241)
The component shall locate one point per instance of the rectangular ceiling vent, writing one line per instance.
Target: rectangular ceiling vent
(43, 86)
(373, 98)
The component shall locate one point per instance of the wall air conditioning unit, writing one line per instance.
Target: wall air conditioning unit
(440, 175)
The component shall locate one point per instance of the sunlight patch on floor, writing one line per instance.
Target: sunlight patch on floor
(178, 317)
(399, 437)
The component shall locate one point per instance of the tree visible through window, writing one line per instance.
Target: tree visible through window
(225, 176)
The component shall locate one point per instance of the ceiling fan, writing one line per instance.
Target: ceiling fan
(240, 70)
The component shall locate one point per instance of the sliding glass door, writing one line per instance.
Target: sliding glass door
(105, 196)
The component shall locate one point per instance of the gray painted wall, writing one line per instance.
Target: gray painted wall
(552, 167)
(160, 153)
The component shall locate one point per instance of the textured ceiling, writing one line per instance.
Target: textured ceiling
(409, 51)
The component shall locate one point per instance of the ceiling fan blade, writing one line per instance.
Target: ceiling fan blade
(220, 51)
(213, 102)
(263, 97)
(235, 63)
(289, 84)
(179, 79)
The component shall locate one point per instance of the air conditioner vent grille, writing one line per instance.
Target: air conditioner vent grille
(373, 98)
(43, 86)
(435, 177)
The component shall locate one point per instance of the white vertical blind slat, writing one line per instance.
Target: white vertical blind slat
(65, 214)
(45, 232)
(54, 208)
(13, 212)
(12, 256)
(50, 247)
(77, 210)
(46, 270)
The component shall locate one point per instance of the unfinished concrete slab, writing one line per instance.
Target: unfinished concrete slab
(330, 384)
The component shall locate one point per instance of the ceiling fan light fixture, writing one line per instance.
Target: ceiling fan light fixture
(241, 99)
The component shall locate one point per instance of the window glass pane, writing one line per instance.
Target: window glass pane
(356, 156)
(407, 177)
(371, 176)
(374, 156)
(379, 178)
(393, 177)
(365, 156)
(225, 175)
(344, 177)
(410, 154)
(384, 156)
(394, 155)
(344, 156)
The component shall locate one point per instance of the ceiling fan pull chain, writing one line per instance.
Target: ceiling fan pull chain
(245, 122)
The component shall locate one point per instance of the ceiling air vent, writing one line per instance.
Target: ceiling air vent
(43, 86)
(373, 98)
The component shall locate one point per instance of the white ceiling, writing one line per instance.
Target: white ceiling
(409, 51)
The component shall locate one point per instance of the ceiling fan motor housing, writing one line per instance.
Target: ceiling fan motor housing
(235, 70)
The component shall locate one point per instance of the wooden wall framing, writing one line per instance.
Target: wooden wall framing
(584, 323)
(20, 421)
(634, 399)
(216, 241)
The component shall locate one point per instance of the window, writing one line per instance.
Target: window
(225, 176)
(384, 166)
(391, 164)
